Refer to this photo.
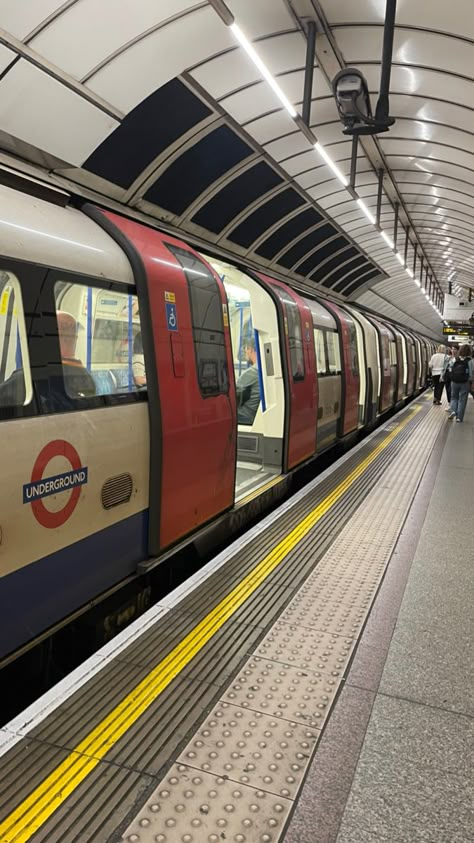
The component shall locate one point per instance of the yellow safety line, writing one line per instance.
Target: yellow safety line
(50, 794)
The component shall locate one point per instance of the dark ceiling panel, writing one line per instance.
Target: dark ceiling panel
(333, 263)
(359, 263)
(325, 251)
(264, 217)
(306, 244)
(288, 231)
(362, 278)
(150, 128)
(237, 195)
(197, 168)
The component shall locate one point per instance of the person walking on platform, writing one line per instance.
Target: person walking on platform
(436, 366)
(451, 354)
(462, 377)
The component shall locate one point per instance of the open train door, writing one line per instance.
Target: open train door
(190, 381)
(301, 368)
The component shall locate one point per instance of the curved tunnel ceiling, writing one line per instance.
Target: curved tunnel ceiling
(163, 110)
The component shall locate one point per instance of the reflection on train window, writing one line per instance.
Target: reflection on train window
(15, 377)
(208, 324)
(320, 351)
(100, 340)
(334, 354)
(295, 340)
(353, 348)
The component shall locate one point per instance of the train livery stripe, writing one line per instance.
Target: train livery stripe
(36, 809)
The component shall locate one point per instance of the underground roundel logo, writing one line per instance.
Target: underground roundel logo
(43, 485)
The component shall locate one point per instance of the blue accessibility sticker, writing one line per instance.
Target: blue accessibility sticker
(171, 316)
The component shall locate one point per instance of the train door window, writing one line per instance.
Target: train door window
(320, 351)
(295, 339)
(15, 376)
(393, 353)
(334, 352)
(208, 323)
(100, 340)
(353, 348)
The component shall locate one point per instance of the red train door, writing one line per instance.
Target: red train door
(302, 378)
(351, 382)
(193, 458)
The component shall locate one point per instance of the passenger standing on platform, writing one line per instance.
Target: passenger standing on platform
(445, 375)
(462, 377)
(248, 387)
(436, 365)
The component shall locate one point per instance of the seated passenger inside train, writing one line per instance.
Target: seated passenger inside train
(138, 361)
(248, 387)
(78, 382)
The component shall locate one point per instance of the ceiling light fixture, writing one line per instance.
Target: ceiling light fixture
(387, 239)
(399, 258)
(337, 172)
(245, 43)
(366, 211)
(410, 272)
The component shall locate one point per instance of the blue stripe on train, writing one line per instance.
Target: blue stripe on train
(44, 592)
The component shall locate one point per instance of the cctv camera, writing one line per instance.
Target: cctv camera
(352, 99)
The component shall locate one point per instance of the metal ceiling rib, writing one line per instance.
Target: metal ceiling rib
(110, 62)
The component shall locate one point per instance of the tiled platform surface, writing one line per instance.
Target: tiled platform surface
(396, 762)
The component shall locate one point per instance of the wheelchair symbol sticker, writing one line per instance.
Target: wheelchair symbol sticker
(171, 316)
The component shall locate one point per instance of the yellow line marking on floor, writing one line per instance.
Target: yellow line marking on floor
(49, 795)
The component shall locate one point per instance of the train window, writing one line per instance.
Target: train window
(295, 340)
(334, 353)
(353, 348)
(208, 324)
(100, 340)
(320, 351)
(15, 376)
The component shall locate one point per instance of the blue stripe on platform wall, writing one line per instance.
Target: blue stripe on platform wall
(44, 592)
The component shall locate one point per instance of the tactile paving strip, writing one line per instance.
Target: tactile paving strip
(252, 748)
(289, 685)
(191, 806)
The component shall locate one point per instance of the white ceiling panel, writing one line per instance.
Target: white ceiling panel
(430, 165)
(410, 47)
(51, 117)
(272, 125)
(234, 70)
(432, 111)
(6, 57)
(455, 18)
(260, 18)
(248, 104)
(422, 149)
(164, 54)
(422, 131)
(21, 17)
(422, 82)
(73, 44)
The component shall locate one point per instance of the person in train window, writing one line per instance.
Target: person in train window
(437, 365)
(138, 361)
(248, 387)
(78, 381)
(462, 377)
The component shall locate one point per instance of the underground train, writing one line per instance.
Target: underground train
(122, 354)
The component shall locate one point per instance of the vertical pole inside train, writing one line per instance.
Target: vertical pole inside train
(89, 330)
(130, 343)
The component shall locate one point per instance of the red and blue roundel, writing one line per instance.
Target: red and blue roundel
(42, 486)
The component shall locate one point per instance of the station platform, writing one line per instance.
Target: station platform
(313, 683)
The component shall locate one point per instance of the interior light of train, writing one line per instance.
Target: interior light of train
(245, 43)
(366, 211)
(337, 172)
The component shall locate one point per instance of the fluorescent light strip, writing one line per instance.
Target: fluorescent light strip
(366, 211)
(245, 43)
(342, 178)
(410, 272)
(399, 258)
(387, 239)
